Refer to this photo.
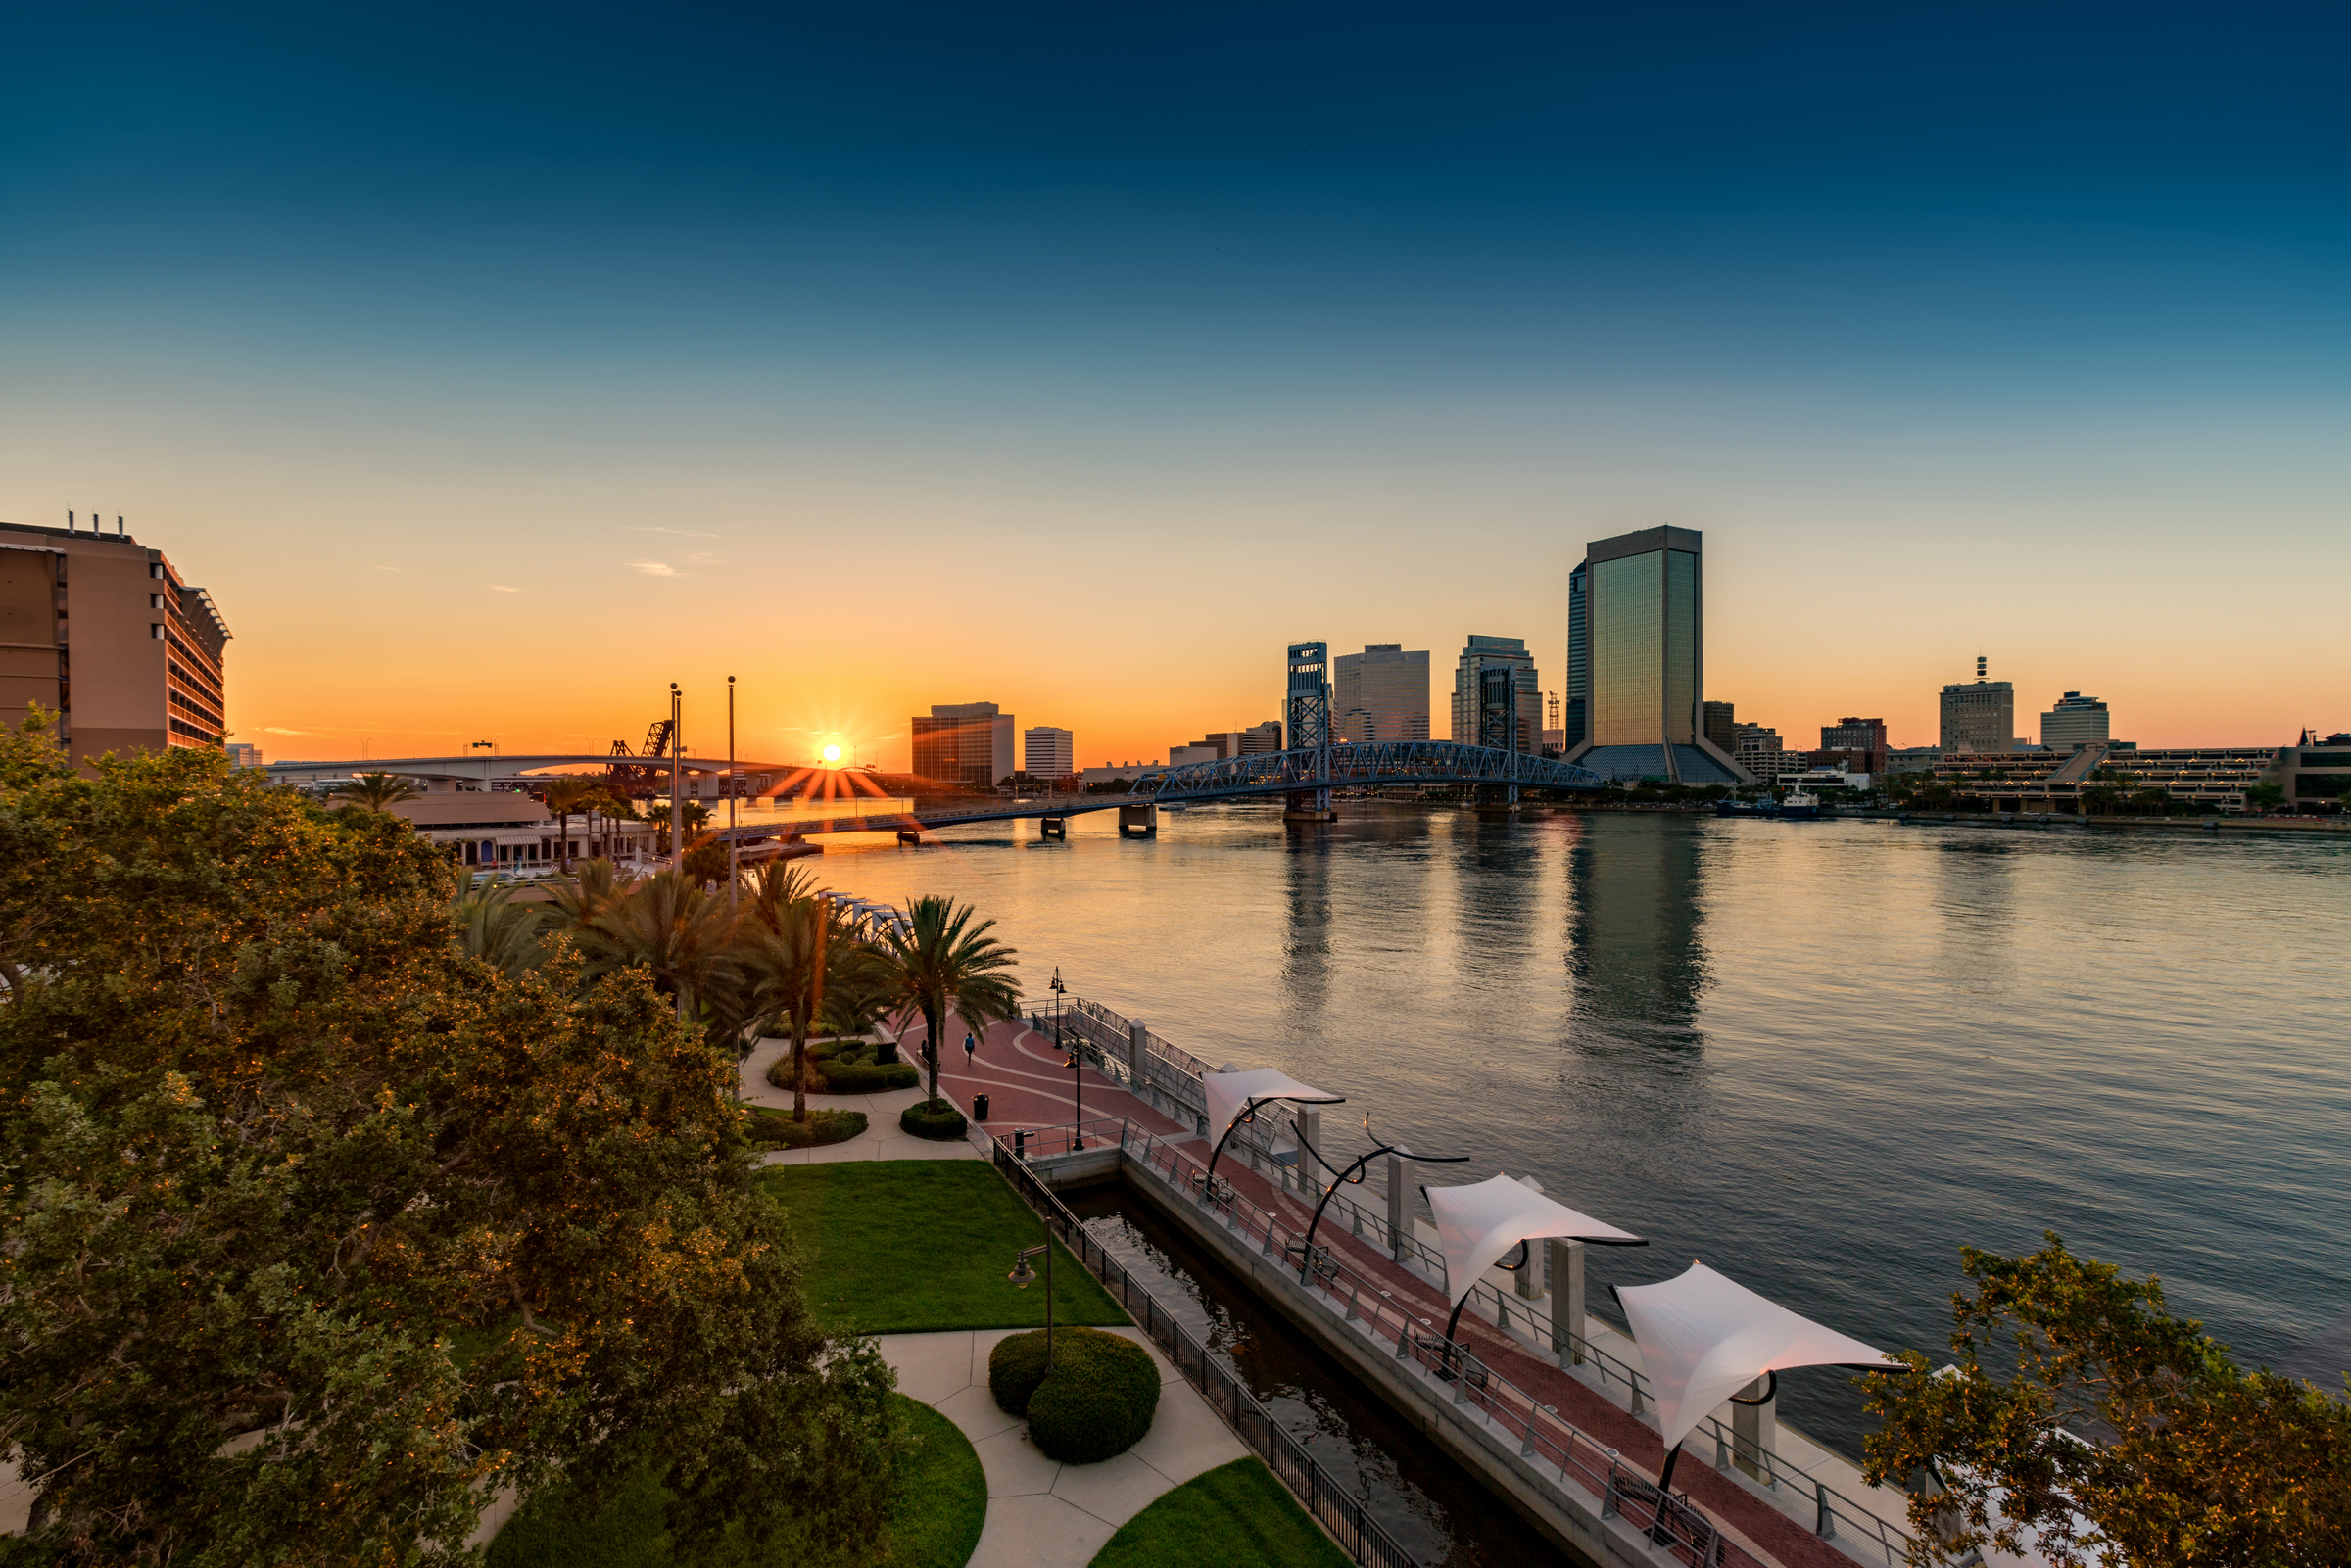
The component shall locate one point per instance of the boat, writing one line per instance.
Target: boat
(1745, 808)
(1799, 805)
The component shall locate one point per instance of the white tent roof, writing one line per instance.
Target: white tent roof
(1478, 1223)
(1704, 1338)
(1230, 1094)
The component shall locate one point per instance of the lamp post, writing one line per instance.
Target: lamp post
(1023, 1277)
(734, 852)
(677, 814)
(1076, 1139)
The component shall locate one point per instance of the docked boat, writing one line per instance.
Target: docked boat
(1745, 808)
(1798, 805)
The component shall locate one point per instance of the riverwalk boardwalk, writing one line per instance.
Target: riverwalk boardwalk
(1029, 1091)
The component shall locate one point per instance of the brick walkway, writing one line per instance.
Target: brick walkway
(1020, 1072)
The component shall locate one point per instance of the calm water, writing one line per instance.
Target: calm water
(1821, 1056)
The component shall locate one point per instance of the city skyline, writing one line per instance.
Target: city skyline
(491, 389)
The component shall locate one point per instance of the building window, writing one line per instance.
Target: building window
(155, 630)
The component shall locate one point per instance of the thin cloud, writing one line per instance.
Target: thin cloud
(271, 729)
(500, 588)
(656, 569)
(374, 568)
(681, 532)
(703, 560)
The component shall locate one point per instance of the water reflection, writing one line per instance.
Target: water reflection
(1634, 946)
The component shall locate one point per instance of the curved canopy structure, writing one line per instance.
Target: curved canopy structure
(1478, 1224)
(1704, 1338)
(1232, 1095)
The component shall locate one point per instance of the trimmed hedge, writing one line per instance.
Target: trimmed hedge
(853, 1075)
(771, 1128)
(1098, 1400)
(933, 1118)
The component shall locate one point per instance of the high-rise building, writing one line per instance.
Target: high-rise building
(1219, 745)
(1979, 716)
(963, 742)
(105, 634)
(1496, 695)
(2075, 722)
(1721, 726)
(1636, 659)
(1047, 752)
(242, 754)
(1380, 694)
(1854, 735)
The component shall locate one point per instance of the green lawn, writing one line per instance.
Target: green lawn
(1235, 1516)
(941, 1502)
(907, 1246)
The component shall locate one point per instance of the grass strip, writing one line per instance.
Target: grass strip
(940, 1503)
(917, 1246)
(1234, 1516)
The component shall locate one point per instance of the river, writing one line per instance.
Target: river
(1823, 1056)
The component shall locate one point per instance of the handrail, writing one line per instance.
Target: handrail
(1334, 1506)
(1102, 1037)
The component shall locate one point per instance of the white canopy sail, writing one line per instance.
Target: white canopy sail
(1232, 1094)
(1477, 1224)
(1704, 1338)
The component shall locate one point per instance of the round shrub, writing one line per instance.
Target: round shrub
(864, 1078)
(1098, 1400)
(933, 1118)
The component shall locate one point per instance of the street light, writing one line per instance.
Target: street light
(1076, 1139)
(1023, 1277)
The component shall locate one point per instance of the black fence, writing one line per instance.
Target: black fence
(1337, 1510)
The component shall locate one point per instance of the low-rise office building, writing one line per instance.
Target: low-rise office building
(2314, 773)
(497, 830)
(1047, 752)
(2076, 722)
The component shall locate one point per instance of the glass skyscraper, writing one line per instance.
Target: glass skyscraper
(1636, 688)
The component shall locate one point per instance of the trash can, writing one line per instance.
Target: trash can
(978, 1108)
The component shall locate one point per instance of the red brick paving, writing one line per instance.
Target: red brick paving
(1028, 1087)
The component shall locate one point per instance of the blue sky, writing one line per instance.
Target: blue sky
(969, 338)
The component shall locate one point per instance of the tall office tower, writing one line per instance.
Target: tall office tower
(1575, 729)
(2076, 722)
(1380, 694)
(1979, 717)
(1721, 727)
(1640, 639)
(107, 635)
(1496, 695)
(1047, 752)
(963, 742)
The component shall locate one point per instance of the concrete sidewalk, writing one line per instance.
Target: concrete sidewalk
(1042, 1513)
(881, 1139)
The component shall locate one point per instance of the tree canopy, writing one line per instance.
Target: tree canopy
(2081, 1417)
(319, 1228)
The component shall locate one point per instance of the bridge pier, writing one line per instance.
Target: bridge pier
(1308, 805)
(1138, 821)
(1052, 827)
(911, 836)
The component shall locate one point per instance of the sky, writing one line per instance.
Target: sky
(496, 366)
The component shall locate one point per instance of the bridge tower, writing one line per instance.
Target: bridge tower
(1498, 728)
(1307, 714)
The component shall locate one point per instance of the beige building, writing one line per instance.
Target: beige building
(495, 830)
(107, 634)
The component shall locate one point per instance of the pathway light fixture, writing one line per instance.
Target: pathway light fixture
(1023, 1277)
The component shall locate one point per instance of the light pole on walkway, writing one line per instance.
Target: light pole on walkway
(1076, 1138)
(1023, 1277)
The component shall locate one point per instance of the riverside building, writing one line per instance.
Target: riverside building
(1047, 752)
(1636, 662)
(963, 742)
(106, 634)
(2075, 722)
(1380, 694)
(1496, 695)
(1979, 717)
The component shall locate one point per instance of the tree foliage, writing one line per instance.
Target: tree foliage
(940, 964)
(2122, 1436)
(317, 1228)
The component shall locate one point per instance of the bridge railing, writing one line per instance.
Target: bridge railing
(1101, 1035)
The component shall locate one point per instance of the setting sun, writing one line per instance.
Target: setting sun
(832, 753)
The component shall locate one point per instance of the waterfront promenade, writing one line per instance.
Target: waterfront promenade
(1029, 1088)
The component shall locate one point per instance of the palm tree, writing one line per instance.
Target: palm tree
(786, 966)
(493, 928)
(939, 962)
(665, 925)
(376, 792)
(567, 794)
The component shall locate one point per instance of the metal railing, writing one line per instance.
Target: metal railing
(1102, 1037)
(1349, 1522)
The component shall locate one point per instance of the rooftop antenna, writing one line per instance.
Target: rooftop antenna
(117, 526)
(1979, 668)
(68, 521)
